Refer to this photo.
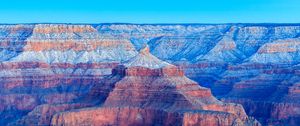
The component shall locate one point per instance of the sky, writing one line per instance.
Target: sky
(149, 11)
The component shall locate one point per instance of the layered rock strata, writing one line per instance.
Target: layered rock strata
(52, 64)
(153, 92)
(256, 65)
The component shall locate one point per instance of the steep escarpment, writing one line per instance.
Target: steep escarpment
(73, 44)
(12, 40)
(61, 67)
(53, 64)
(265, 80)
(253, 63)
(153, 92)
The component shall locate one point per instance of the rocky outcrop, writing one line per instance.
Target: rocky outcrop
(153, 92)
(252, 64)
(128, 116)
(53, 64)
(42, 114)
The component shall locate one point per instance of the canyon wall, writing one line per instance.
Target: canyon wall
(51, 68)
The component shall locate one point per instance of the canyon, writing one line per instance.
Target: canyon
(85, 74)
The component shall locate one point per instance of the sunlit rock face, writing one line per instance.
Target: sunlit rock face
(153, 92)
(252, 64)
(59, 43)
(53, 64)
(62, 67)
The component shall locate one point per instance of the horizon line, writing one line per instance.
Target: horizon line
(125, 23)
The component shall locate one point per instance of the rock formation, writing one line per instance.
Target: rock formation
(53, 64)
(153, 92)
(61, 67)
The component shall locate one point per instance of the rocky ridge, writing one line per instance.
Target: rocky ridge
(253, 64)
(158, 94)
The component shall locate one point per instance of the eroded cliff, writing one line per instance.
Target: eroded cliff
(256, 65)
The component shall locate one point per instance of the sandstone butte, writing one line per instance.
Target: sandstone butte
(149, 91)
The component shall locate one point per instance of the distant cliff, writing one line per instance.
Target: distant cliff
(50, 67)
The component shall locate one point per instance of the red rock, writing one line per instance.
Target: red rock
(128, 116)
(275, 114)
(160, 96)
(42, 114)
